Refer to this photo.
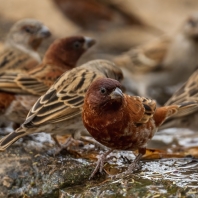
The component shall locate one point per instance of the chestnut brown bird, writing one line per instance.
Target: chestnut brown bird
(109, 22)
(188, 92)
(58, 111)
(22, 42)
(157, 67)
(123, 122)
(61, 56)
(97, 14)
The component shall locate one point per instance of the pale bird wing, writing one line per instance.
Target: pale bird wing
(12, 59)
(146, 58)
(35, 82)
(188, 92)
(186, 98)
(22, 84)
(64, 99)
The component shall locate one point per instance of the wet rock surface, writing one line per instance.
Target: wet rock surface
(32, 173)
(29, 169)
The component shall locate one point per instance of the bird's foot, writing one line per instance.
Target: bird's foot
(134, 166)
(67, 146)
(100, 163)
(99, 166)
(59, 146)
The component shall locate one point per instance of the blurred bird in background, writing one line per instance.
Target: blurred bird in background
(109, 21)
(188, 92)
(19, 55)
(98, 15)
(61, 56)
(21, 44)
(157, 69)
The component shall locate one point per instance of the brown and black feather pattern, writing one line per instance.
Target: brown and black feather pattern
(13, 59)
(61, 106)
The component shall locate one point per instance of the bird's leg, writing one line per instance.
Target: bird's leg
(56, 141)
(94, 142)
(61, 147)
(135, 164)
(68, 142)
(65, 145)
(57, 144)
(100, 163)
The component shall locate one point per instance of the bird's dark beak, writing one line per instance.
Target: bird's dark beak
(116, 94)
(89, 42)
(44, 32)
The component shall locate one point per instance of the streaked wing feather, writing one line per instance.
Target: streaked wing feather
(135, 107)
(187, 108)
(142, 107)
(22, 84)
(36, 82)
(12, 59)
(188, 92)
(63, 100)
(31, 85)
(145, 58)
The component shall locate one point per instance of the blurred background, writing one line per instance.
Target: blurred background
(150, 18)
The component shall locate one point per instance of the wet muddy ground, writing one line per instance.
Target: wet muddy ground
(174, 175)
(169, 169)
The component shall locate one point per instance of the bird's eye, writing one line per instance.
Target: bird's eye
(120, 77)
(192, 22)
(77, 45)
(103, 90)
(29, 30)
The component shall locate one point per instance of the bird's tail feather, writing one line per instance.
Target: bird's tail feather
(166, 113)
(186, 108)
(11, 138)
(181, 110)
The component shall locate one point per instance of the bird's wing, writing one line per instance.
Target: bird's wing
(145, 58)
(12, 59)
(35, 82)
(188, 93)
(63, 100)
(22, 84)
(141, 108)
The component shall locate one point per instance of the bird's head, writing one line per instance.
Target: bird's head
(68, 50)
(27, 33)
(105, 94)
(191, 27)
